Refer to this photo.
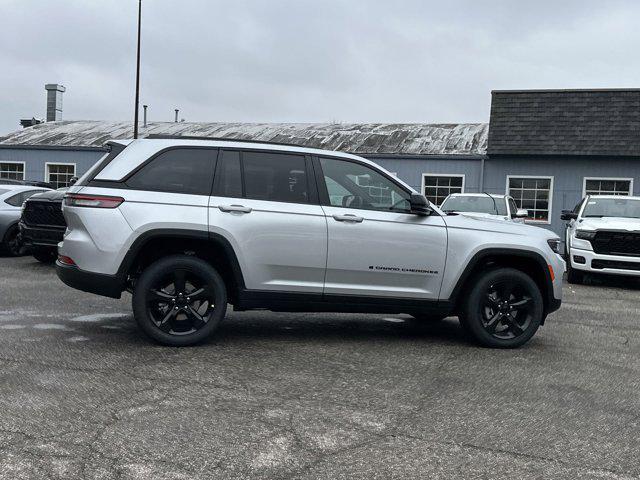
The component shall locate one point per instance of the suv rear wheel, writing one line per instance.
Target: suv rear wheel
(179, 300)
(503, 309)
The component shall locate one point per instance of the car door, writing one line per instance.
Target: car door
(265, 204)
(376, 247)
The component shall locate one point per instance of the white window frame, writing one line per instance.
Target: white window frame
(47, 177)
(606, 179)
(539, 177)
(459, 175)
(13, 162)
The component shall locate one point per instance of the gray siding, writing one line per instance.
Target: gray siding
(35, 159)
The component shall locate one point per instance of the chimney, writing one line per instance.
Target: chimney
(54, 101)
(144, 122)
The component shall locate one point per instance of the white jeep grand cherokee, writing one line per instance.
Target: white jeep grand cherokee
(191, 225)
(603, 236)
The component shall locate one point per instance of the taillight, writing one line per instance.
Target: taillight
(63, 259)
(92, 201)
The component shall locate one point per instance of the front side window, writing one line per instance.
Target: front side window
(532, 194)
(439, 187)
(12, 171)
(475, 203)
(179, 170)
(276, 177)
(607, 186)
(612, 207)
(60, 174)
(354, 185)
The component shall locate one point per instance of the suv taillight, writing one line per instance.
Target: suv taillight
(92, 201)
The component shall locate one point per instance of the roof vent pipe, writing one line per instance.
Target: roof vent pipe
(176, 120)
(144, 116)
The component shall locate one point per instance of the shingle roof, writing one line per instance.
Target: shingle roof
(368, 138)
(565, 122)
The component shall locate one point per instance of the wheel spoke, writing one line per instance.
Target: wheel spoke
(490, 301)
(516, 329)
(521, 304)
(158, 296)
(492, 323)
(506, 291)
(197, 320)
(200, 294)
(165, 324)
(179, 281)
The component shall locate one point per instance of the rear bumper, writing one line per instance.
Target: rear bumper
(600, 263)
(97, 283)
(38, 236)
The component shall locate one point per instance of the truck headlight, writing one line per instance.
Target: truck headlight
(554, 244)
(585, 234)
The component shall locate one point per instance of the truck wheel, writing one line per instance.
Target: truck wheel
(44, 254)
(179, 300)
(503, 309)
(13, 242)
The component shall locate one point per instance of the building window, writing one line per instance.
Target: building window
(436, 187)
(60, 174)
(534, 194)
(12, 170)
(608, 186)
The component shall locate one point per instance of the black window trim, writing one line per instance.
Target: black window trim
(323, 193)
(312, 188)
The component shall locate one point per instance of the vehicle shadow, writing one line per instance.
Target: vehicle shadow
(612, 281)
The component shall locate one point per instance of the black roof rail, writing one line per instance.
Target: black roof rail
(158, 136)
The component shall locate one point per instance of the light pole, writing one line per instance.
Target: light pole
(135, 120)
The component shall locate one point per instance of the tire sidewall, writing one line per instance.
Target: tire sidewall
(163, 267)
(472, 321)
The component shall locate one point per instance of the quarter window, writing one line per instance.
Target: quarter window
(275, 177)
(438, 187)
(179, 170)
(607, 186)
(532, 194)
(12, 171)
(354, 185)
(60, 174)
(18, 199)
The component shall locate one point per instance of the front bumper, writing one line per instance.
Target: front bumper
(97, 283)
(599, 263)
(39, 236)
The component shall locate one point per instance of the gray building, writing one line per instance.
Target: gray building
(545, 148)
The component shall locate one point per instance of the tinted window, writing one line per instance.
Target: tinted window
(275, 177)
(180, 170)
(228, 176)
(19, 198)
(354, 185)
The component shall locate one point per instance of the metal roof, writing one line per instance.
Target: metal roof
(356, 138)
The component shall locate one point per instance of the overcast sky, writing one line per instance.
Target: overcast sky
(307, 60)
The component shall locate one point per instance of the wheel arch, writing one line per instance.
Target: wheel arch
(531, 263)
(211, 247)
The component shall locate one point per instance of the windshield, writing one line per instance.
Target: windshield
(474, 204)
(612, 207)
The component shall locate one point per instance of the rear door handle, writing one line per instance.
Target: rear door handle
(235, 208)
(348, 217)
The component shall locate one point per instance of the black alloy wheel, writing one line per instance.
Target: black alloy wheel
(179, 300)
(503, 309)
(13, 242)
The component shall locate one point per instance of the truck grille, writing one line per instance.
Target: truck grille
(617, 243)
(600, 264)
(44, 213)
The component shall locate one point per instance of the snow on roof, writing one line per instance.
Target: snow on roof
(357, 138)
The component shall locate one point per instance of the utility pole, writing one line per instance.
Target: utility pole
(135, 121)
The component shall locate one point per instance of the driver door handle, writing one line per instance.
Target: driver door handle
(235, 208)
(348, 217)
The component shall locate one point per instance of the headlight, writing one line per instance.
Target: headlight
(554, 244)
(585, 234)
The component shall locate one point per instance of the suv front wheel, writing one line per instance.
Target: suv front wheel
(179, 300)
(503, 309)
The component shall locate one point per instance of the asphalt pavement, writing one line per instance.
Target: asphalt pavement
(84, 395)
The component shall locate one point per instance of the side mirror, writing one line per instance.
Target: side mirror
(419, 204)
(72, 181)
(568, 215)
(521, 213)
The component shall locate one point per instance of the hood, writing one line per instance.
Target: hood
(51, 195)
(484, 215)
(609, 223)
(493, 223)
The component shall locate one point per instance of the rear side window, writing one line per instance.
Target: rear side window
(179, 170)
(275, 177)
(19, 198)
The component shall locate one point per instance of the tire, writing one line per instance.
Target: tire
(503, 309)
(13, 243)
(574, 276)
(162, 303)
(44, 254)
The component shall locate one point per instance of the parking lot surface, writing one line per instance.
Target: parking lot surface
(85, 395)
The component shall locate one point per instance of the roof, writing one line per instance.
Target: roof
(356, 138)
(565, 122)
